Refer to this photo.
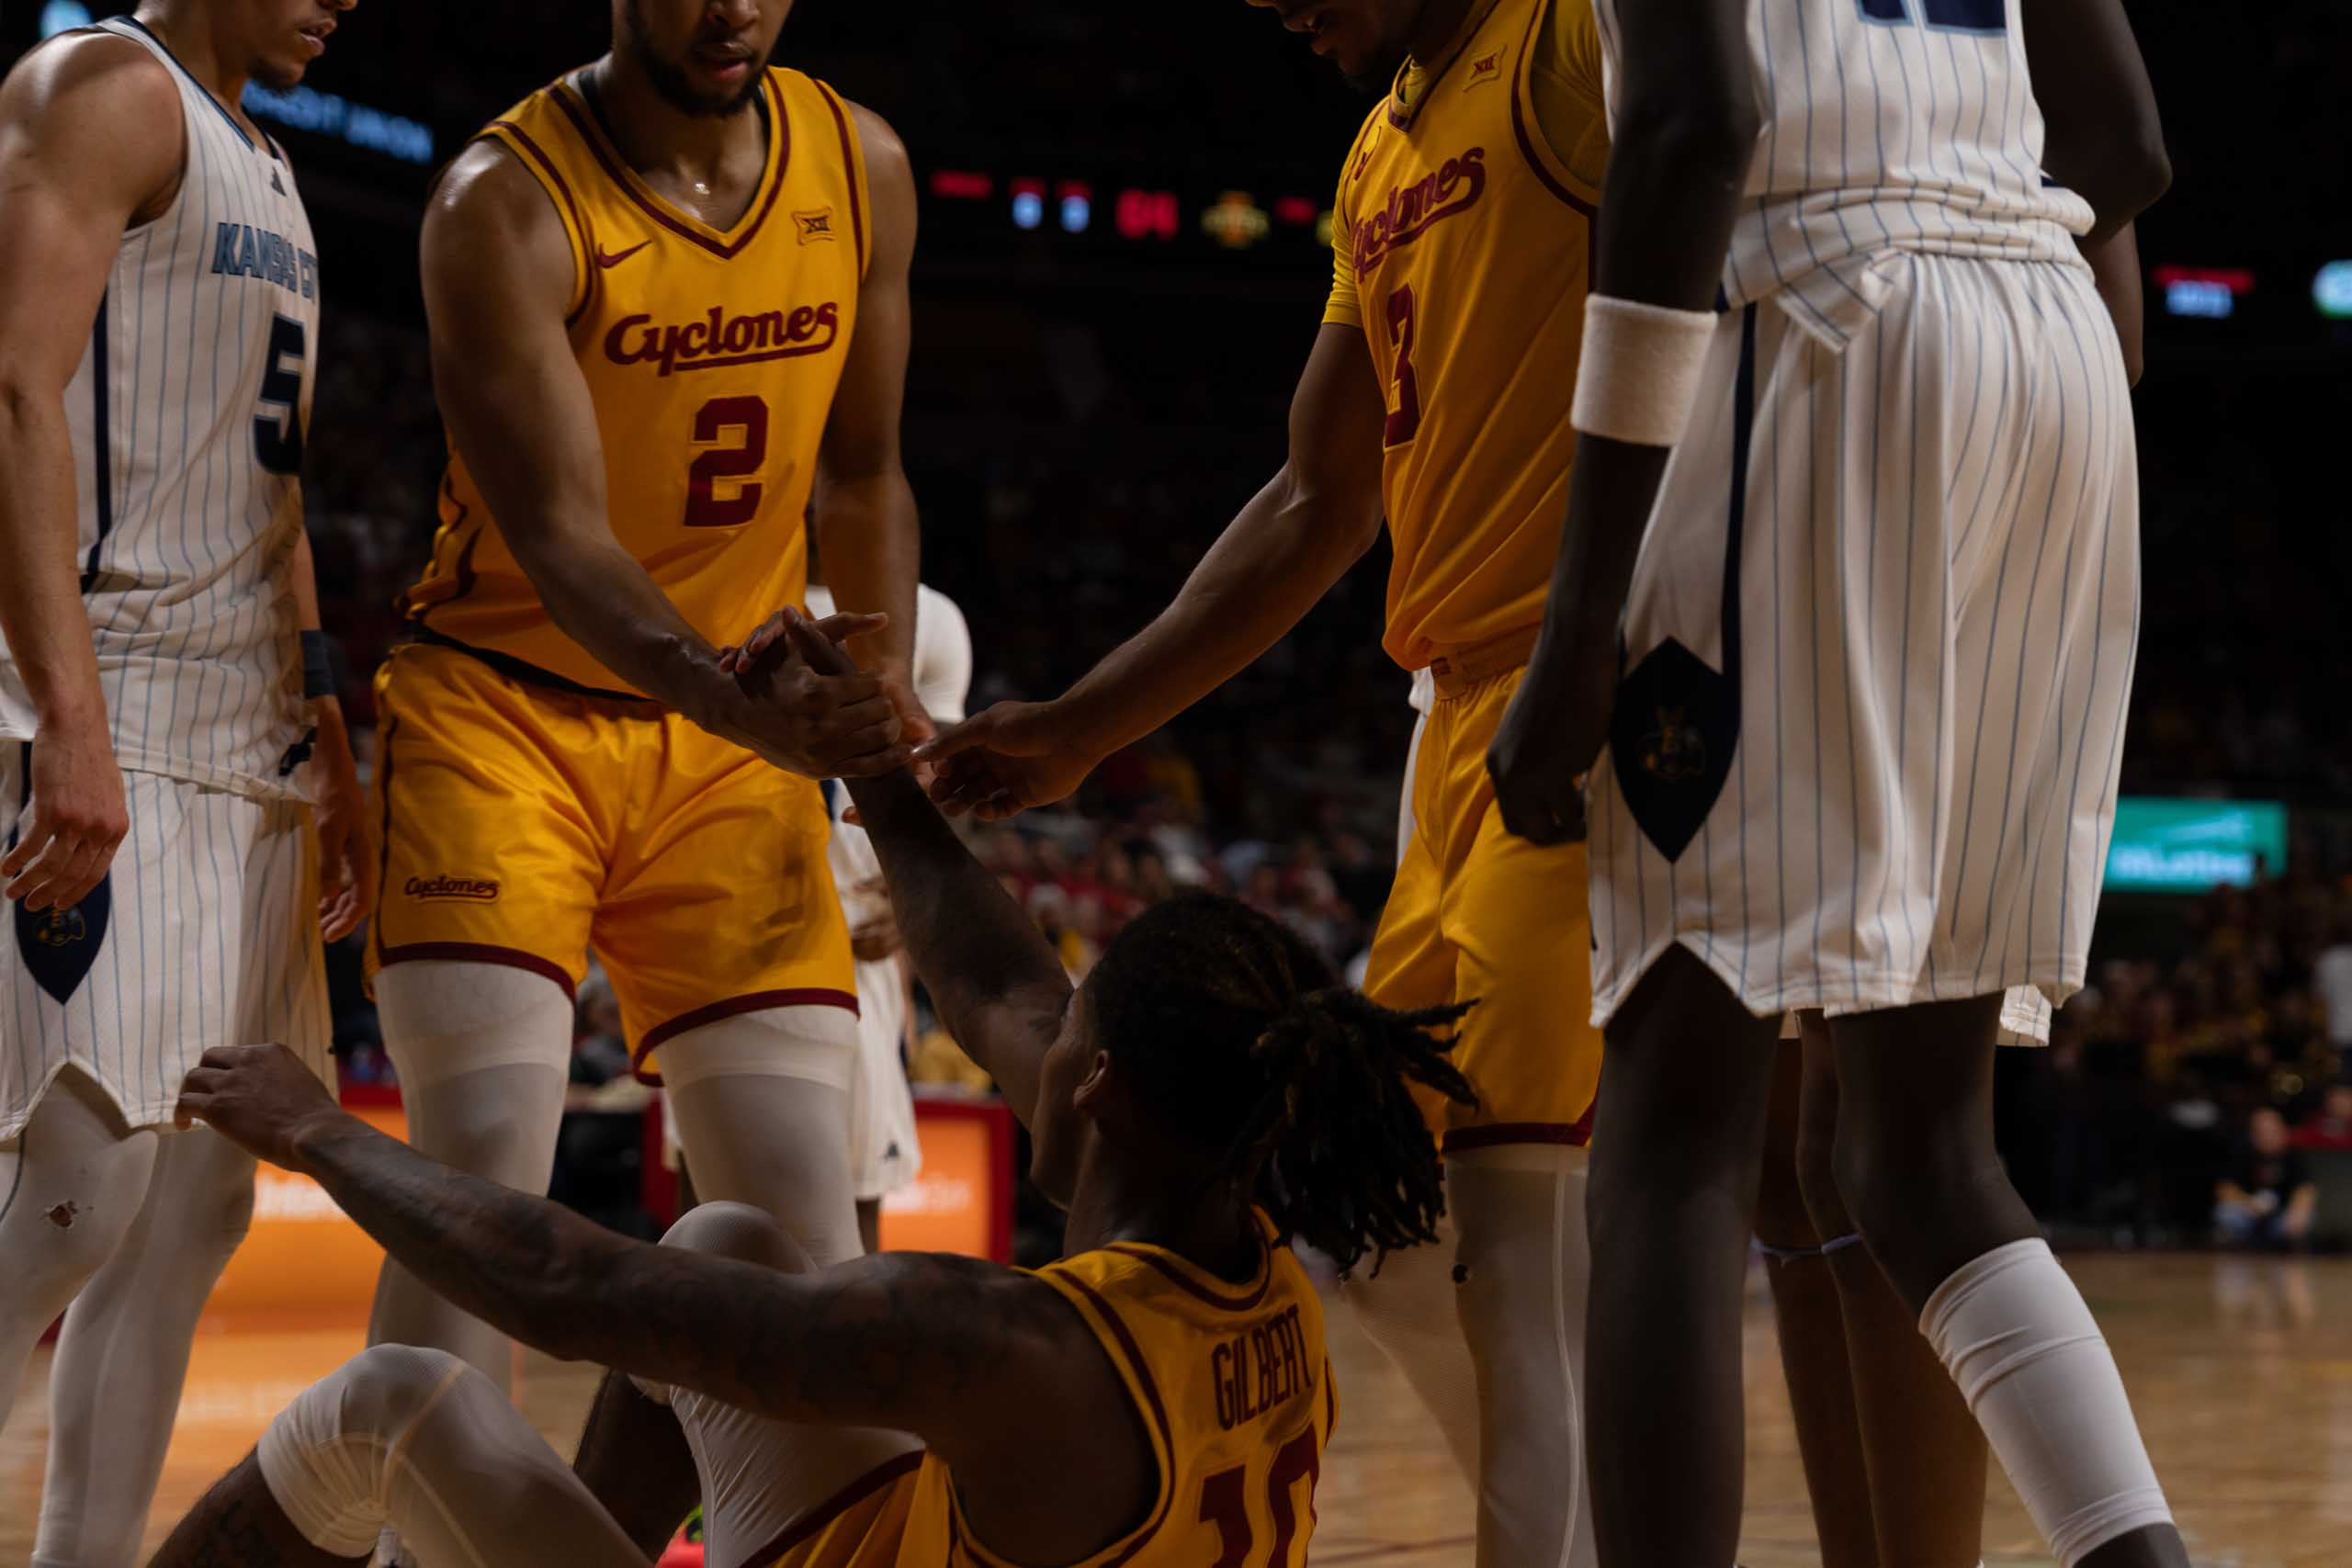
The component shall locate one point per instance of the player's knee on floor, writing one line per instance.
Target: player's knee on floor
(739, 1231)
(328, 1457)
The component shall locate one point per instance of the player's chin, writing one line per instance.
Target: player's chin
(280, 72)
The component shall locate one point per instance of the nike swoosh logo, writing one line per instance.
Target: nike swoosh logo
(614, 258)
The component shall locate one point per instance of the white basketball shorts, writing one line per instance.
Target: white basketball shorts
(204, 933)
(1877, 655)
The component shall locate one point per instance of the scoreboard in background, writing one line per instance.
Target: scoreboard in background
(2190, 846)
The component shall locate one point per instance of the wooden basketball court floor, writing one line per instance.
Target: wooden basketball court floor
(2241, 1370)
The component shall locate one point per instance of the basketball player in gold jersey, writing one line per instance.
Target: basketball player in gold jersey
(668, 302)
(1160, 1398)
(1436, 392)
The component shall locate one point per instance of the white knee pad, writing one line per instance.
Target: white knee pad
(330, 1458)
(2017, 1339)
(1408, 1309)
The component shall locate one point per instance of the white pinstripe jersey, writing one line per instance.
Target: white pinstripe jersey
(187, 416)
(1889, 125)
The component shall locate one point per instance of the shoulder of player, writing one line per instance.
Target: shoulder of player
(95, 91)
(889, 170)
(487, 209)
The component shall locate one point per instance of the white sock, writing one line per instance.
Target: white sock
(2016, 1336)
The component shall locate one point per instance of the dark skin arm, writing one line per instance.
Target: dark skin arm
(2104, 140)
(1686, 131)
(498, 276)
(999, 985)
(2115, 263)
(1292, 541)
(866, 509)
(989, 1366)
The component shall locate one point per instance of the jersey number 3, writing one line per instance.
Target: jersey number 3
(706, 506)
(1224, 1503)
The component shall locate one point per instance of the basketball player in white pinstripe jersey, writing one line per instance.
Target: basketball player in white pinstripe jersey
(1841, 636)
(158, 318)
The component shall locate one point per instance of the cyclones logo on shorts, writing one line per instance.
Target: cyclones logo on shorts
(479, 889)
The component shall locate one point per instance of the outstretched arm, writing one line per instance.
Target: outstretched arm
(1685, 134)
(1289, 544)
(926, 1344)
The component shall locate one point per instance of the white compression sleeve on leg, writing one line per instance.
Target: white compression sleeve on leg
(1408, 1309)
(762, 1102)
(115, 1385)
(2023, 1347)
(1527, 1271)
(70, 1184)
(483, 1051)
(418, 1440)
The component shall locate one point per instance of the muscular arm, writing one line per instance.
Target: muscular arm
(498, 272)
(2103, 139)
(1278, 556)
(866, 509)
(90, 133)
(999, 987)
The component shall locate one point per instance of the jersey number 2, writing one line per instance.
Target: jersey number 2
(277, 426)
(1406, 417)
(705, 507)
(1225, 1503)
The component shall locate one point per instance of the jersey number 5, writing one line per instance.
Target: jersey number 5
(706, 506)
(277, 426)
(1406, 418)
(1225, 1503)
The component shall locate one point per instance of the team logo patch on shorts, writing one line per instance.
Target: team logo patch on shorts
(474, 889)
(59, 946)
(1671, 739)
(815, 225)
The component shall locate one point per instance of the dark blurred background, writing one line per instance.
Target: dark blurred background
(1121, 269)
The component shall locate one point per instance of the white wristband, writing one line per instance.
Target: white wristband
(1638, 373)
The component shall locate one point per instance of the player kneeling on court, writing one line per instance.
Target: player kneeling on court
(1160, 1396)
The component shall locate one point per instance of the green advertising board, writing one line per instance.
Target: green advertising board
(2188, 846)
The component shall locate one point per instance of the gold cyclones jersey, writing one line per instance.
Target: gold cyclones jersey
(1462, 243)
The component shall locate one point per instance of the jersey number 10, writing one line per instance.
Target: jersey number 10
(1225, 1503)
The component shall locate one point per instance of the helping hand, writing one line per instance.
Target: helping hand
(819, 718)
(260, 1098)
(1014, 757)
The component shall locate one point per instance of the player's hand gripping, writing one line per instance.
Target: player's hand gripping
(77, 818)
(1554, 730)
(1008, 760)
(260, 1098)
(810, 721)
(347, 866)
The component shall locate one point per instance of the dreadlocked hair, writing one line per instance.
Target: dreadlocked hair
(1240, 1037)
